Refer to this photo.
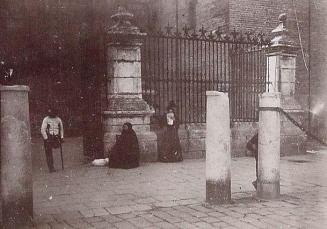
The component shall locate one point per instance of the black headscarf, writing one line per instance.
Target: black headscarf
(128, 140)
(130, 128)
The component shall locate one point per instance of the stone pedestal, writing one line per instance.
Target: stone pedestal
(16, 160)
(268, 184)
(281, 65)
(125, 103)
(218, 145)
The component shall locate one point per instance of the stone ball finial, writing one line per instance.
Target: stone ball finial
(281, 40)
(123, 31)
(122, 15)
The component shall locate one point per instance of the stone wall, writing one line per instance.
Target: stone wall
(192, 138)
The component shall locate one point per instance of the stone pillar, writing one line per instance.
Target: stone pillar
(281, 65)
(268, 185)
(218, 145)
(16, 161)
(125, 103)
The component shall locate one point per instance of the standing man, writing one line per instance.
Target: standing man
(53, 135)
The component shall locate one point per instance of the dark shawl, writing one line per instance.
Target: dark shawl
(125, 153)
(252, 145)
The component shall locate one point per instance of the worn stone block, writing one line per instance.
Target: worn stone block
(124, 85)
(119, 121)
(287, 88)
(121, 105)
(197, 144)
(118, 128)
(125, 69)
(287, 62)
(125, 53)
(197, 133)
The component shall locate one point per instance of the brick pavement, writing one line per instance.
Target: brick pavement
(158, 195)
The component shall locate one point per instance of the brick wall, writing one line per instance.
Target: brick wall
(208, 13)
(212, 14)
(262, 15)
(167, 13)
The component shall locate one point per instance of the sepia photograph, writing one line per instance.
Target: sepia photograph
(163, 114)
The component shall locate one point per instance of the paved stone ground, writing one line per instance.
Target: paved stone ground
(158, 195)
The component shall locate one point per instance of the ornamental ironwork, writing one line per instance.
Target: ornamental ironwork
(182, 65)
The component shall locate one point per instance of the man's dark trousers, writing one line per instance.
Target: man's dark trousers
(48, 155)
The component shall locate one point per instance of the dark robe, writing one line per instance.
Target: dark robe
(170, 150)
(252, 146)
(125, 153)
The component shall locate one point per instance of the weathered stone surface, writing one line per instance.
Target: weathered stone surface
(136, 120)
(197, 132)
(16, 161)
(288, 75)
(288, 61)
(126, 53)
(117, 128)
(128, 86)
(218, 149)
(148, 146)
(269, 147)
(124, 69)
(197, 144)
(127, 104)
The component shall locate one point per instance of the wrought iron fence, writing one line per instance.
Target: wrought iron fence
(183, 66)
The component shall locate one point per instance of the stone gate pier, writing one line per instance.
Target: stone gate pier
(281, 65)
(124, 87)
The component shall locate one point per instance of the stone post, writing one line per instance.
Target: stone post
(124, 95)
(281, 65)
(268, 185)
(218, 145)
(16, 161)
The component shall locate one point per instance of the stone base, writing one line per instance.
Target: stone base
(268, 191)
(218, 192)
(137, 112)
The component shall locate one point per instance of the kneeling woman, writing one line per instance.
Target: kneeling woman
(125, 153)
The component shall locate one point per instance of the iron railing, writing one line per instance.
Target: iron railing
(183, 66)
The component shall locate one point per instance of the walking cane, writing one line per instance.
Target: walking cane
(62, 159)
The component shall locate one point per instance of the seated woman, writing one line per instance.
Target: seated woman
(171, 150)
(125, 153)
